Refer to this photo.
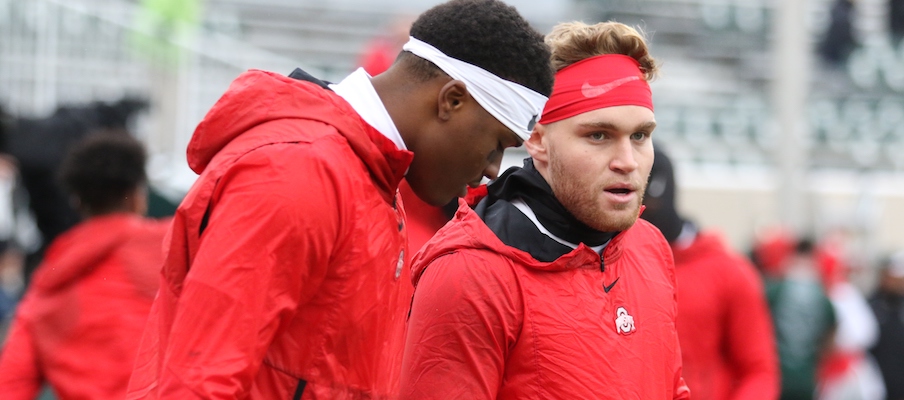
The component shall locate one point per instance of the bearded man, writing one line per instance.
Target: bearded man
(551, 288)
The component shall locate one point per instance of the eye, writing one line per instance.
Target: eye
(597, 135)
(639, 136)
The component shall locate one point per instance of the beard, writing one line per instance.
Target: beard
(581, 197)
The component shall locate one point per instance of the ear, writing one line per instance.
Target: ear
(537, 145)
(451, 98)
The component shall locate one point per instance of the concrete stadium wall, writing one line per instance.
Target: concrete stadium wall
(868, 207)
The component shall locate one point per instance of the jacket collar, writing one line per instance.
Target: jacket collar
(359, 92)
(469, 231)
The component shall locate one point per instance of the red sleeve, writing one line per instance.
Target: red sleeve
(466, 315)
(751, 341)
(20, 372)
(264, 251)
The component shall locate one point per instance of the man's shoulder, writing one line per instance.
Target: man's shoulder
(461, 251)
(290, 173)
(467, 255)
(294, 142)
(479, 260)
(467, 270)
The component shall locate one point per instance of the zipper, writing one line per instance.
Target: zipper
(299, 390)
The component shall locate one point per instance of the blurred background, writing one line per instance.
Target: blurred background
(785, 113)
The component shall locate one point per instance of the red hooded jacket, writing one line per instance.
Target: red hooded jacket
(284, 275)
(727, 340)
(78, 325)
(488, 321)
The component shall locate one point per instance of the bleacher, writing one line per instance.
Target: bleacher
(326, 36)
(712, 101)
(714, 96)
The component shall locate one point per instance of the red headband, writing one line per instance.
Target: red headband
(597, 82)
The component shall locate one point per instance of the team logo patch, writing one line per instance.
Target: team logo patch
(624, 322)
(400, 264)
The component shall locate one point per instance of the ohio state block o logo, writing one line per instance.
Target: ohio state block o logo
(624, 322)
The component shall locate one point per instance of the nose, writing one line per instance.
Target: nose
(623, 159)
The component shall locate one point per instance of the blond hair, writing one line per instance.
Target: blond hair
(571, 42)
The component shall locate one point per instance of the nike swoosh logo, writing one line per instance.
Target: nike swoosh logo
(608, 288)
(591, 91)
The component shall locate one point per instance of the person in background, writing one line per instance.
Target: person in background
(724, 326)
(888, 305)
(551, 288)
(802, 313)
(38, 145)
(839, 41)
(381, 51)
(285, 276)
(9, 291)
(18, 237)
(896, 21)
(847, 372)
(14, 233)
(78, 325)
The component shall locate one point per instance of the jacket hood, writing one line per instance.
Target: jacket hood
(257, 97)
(77, 252)
(468, 231)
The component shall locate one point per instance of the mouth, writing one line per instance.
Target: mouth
(620, 193)
(620, 189)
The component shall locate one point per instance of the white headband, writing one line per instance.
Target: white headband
(515, 106)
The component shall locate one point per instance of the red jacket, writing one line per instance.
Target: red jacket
(488, 321)
(77, 328)
(726, 334)
(284, 274)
